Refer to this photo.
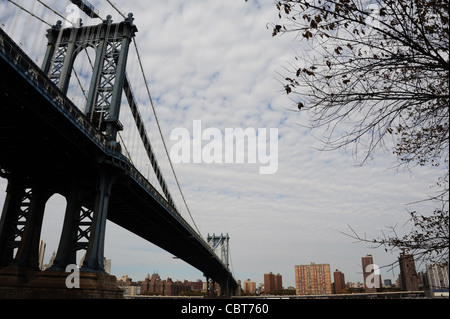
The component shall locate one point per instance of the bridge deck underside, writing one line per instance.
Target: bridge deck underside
(38, 139)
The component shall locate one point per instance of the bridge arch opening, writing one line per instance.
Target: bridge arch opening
(52, 227)
(81, 76)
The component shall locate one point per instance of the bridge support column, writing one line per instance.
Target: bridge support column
(96, 247)
(74, 216)
(210, 287)
(11, 221)
(21, 224)
(28, 252)
(223, 290)
(237, 291)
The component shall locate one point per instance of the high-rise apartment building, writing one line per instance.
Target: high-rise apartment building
(339, 282)
(272, 283)
(372, 277)
(437, 276)
(278, 282)
(249, 286)
(313, 279)
(408, 275)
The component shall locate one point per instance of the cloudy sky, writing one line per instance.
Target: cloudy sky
(216, 62)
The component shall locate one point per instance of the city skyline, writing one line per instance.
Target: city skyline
(42, 252)
(217, 62)
(276, 282)
(311, 279)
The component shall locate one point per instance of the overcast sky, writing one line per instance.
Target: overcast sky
(216, 62)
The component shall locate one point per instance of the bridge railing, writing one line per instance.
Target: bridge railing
(137, 175)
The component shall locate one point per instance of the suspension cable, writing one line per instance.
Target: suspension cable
(53, 10)
(231, 261)
(115, 8)
(30, 13)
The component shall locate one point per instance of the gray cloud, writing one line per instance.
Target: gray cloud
(216, 61)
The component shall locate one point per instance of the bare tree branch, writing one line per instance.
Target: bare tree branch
(373, 74)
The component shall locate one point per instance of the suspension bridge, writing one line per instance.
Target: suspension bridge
(77, 119)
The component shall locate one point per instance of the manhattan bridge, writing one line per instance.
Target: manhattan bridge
(77, 119)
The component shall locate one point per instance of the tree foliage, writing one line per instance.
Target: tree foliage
(381, 66)
(375, 74)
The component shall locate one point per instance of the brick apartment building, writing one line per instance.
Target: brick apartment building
(314, 279)
(272, 283)
(372, 278)
(409, 279)
(168, 287)
(339, 282)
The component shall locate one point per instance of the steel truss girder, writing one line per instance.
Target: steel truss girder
(21, 222)
(21, 218)
(58, 63)
(84, 227)
(18, 210)
(13, 220)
